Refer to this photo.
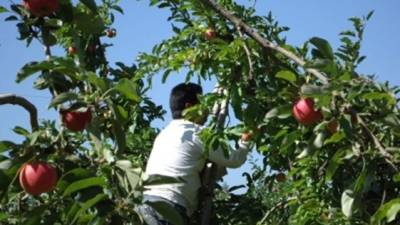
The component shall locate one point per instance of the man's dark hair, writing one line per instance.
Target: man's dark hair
(181, 95)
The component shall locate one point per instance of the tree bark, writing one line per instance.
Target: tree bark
(27, 105)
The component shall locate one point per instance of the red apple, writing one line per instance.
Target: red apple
(37, 178)
(280, 177)
(76, 120)
(41, 8)
(332, 126)
(91, 48)
(210, 34)
(111, 33)
(304, 112)
(71, 50)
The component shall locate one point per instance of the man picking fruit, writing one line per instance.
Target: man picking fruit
(179, 152)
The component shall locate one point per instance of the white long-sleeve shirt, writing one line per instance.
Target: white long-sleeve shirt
(178, 152)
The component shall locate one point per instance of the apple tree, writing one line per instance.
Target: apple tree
(88, 170)
(328, 135)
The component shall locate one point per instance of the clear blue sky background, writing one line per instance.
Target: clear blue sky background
(141, 27)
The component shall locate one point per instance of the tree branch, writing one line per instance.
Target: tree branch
(21, 101)
(212, 171)
(262, 41)
(387, 156)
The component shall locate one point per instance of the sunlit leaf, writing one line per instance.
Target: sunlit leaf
(82, 184)
(347, 202)
(62, 98)
(167, 211)
(287, 75)
(128, 89)
(389, 211)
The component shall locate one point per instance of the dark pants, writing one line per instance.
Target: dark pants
(152, 217)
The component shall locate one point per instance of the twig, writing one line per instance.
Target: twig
(387, 156)
(47, 52)
(383, 196)
(262, 41)
(21, 101)
(248, 54)
(280, 204)
(254, 3)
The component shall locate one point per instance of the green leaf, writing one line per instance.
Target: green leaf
(11, 18)
(62, 98)
(34, 216)
(319, 140)
(6, 145)
(98, 82)
(21, 131)
(282, 112)
(236, 101)
(311, 90)
(54, 22)
(289, 140)
(6, 164)
(33, 137)
(334, 163)
(85, 183)
(121, 113)
(3, 9)
(118, 9)
(91, 4)
(389, 211)
(347, 201)
(360, 182)
(89, 23)
(88, 204)
(3, 216)
(287, 75)
(49, 39)
(271, 113)
(128, 89)
(167, 211)
(165, 75)
(370, 15)
(72, 210)
(396, 177)
(323, 46)
(392, 121)
(133, 174)
(117, 129)
(73, 175)
(335, 138)
(346, 127)
(379, 96)
(32, 68)
(324, 65)
(160, 179)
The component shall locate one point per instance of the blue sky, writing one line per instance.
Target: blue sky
(141, 27)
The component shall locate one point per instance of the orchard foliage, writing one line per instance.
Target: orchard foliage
(341, 169)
